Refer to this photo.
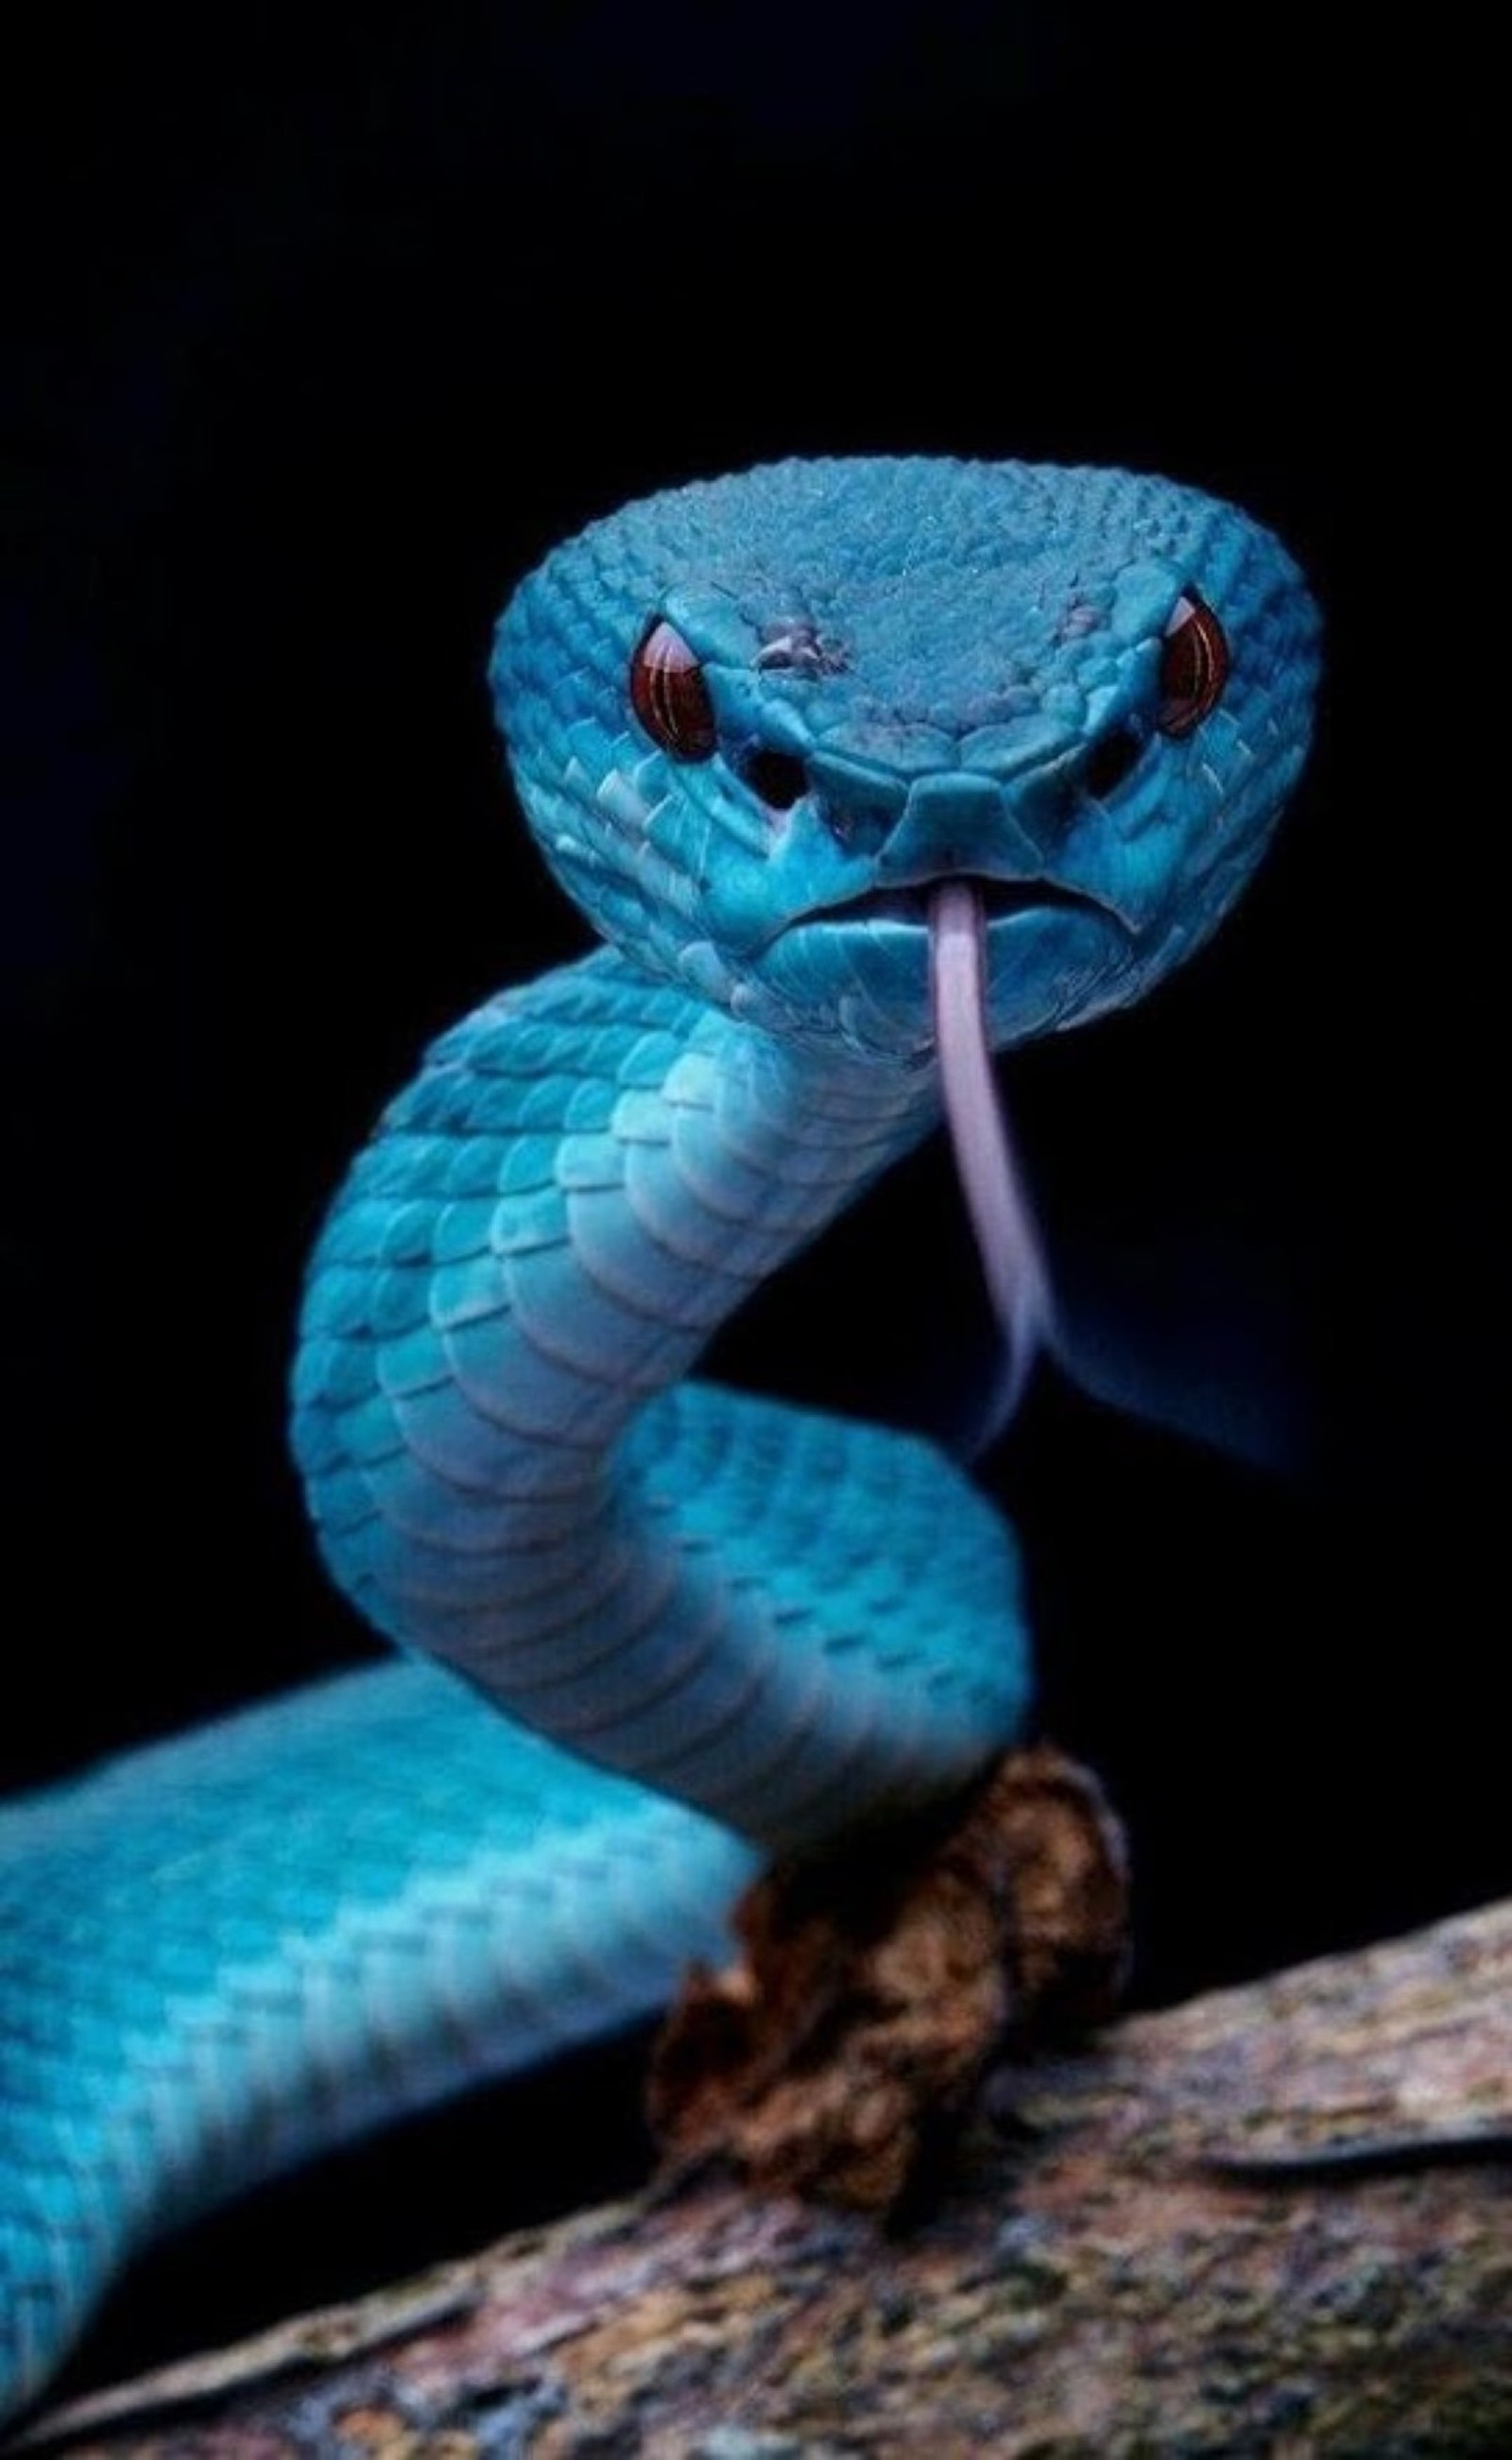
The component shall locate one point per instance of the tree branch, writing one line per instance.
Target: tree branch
(1164, 2250)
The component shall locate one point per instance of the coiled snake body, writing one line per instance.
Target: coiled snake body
(788, 739)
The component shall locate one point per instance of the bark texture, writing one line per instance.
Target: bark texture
(1136, 2263)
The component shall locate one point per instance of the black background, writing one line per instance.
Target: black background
(326, 330)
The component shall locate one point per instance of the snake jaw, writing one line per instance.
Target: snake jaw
(1001, 897)
(1051, 951)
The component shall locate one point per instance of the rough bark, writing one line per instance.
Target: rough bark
(1105, 2274)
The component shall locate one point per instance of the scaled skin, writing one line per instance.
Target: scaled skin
(225, 1955)
(945, 645)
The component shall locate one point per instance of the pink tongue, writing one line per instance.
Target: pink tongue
(1007, 1241)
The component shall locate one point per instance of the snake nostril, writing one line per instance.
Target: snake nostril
(1110, 759)
(780, 777)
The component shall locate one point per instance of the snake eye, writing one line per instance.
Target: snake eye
(668, 693)
(1194, 666)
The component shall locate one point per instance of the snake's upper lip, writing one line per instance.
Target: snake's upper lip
(909, 902)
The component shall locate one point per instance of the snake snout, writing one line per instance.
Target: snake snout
(966, 820)
(957, 821)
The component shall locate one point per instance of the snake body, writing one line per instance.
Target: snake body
(759, 726)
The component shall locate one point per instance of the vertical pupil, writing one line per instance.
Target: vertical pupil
(1194, 666)
(1189, 662)
(668, 693)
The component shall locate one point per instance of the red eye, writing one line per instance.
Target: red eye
(668, 693)
(1194, 666)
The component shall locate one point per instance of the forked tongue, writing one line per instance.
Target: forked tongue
(1007, 1239)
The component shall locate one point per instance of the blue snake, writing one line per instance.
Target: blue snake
(861, 769)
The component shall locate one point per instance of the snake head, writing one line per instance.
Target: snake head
(756, 722)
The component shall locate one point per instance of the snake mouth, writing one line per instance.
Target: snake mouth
(1000, 900)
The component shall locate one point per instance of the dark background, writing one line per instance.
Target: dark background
(323, 330)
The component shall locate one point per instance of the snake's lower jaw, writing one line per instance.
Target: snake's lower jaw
(1052, 956)
(1001, 898)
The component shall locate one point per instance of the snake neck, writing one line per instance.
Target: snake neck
(508, 1473)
